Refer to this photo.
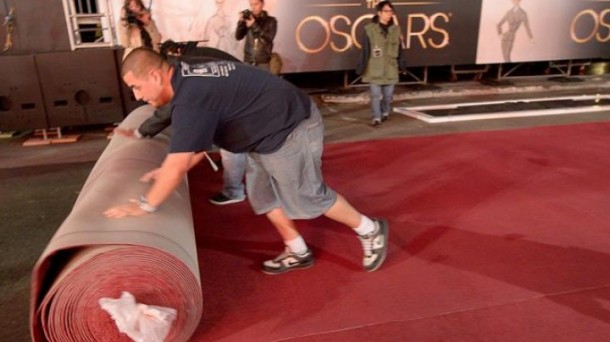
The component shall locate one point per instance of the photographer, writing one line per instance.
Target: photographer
(137, 29)
(259, 29)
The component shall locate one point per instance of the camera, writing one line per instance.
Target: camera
(246, 14)
(131, 18)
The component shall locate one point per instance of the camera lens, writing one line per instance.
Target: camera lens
(131, 18)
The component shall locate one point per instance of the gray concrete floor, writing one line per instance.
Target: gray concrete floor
(38, 185)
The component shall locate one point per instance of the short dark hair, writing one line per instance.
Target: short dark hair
(141, 60)
(382, 4)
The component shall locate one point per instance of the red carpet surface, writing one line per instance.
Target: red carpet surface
(494, 236)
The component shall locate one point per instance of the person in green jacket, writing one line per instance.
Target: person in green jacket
(382, 59)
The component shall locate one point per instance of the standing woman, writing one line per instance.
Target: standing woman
(137, 29)
(382, 57)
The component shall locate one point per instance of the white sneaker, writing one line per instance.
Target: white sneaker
(288, 261)
(375, 245)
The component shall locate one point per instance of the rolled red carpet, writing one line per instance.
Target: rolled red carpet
(153, 257)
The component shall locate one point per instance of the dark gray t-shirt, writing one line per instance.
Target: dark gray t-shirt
(237, 107)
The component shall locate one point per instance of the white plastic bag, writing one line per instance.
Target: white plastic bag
(142, 323)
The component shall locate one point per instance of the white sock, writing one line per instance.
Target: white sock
(297, 245)
(366, 227)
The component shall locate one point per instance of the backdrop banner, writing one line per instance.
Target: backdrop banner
(542, 30)
(325, 35)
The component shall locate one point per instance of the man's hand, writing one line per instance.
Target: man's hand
(150, 175)
(120, 211)
(168, 178)
(250, 21)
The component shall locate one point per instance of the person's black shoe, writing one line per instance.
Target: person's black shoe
(221, 199)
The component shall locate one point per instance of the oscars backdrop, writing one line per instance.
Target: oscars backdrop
(323, 35)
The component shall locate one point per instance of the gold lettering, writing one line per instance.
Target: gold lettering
(603, 23)
(576, 19)
(444, 33)
(333, 29)
(298, 34)
(418, 28)
(420, 34)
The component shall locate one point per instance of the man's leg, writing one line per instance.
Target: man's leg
(298, 187)
(386, 104)
(234, 168)
(296, 254)
(264, 200)
(343, 212)
(375, 104)
(284, 226)
(373, 233)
